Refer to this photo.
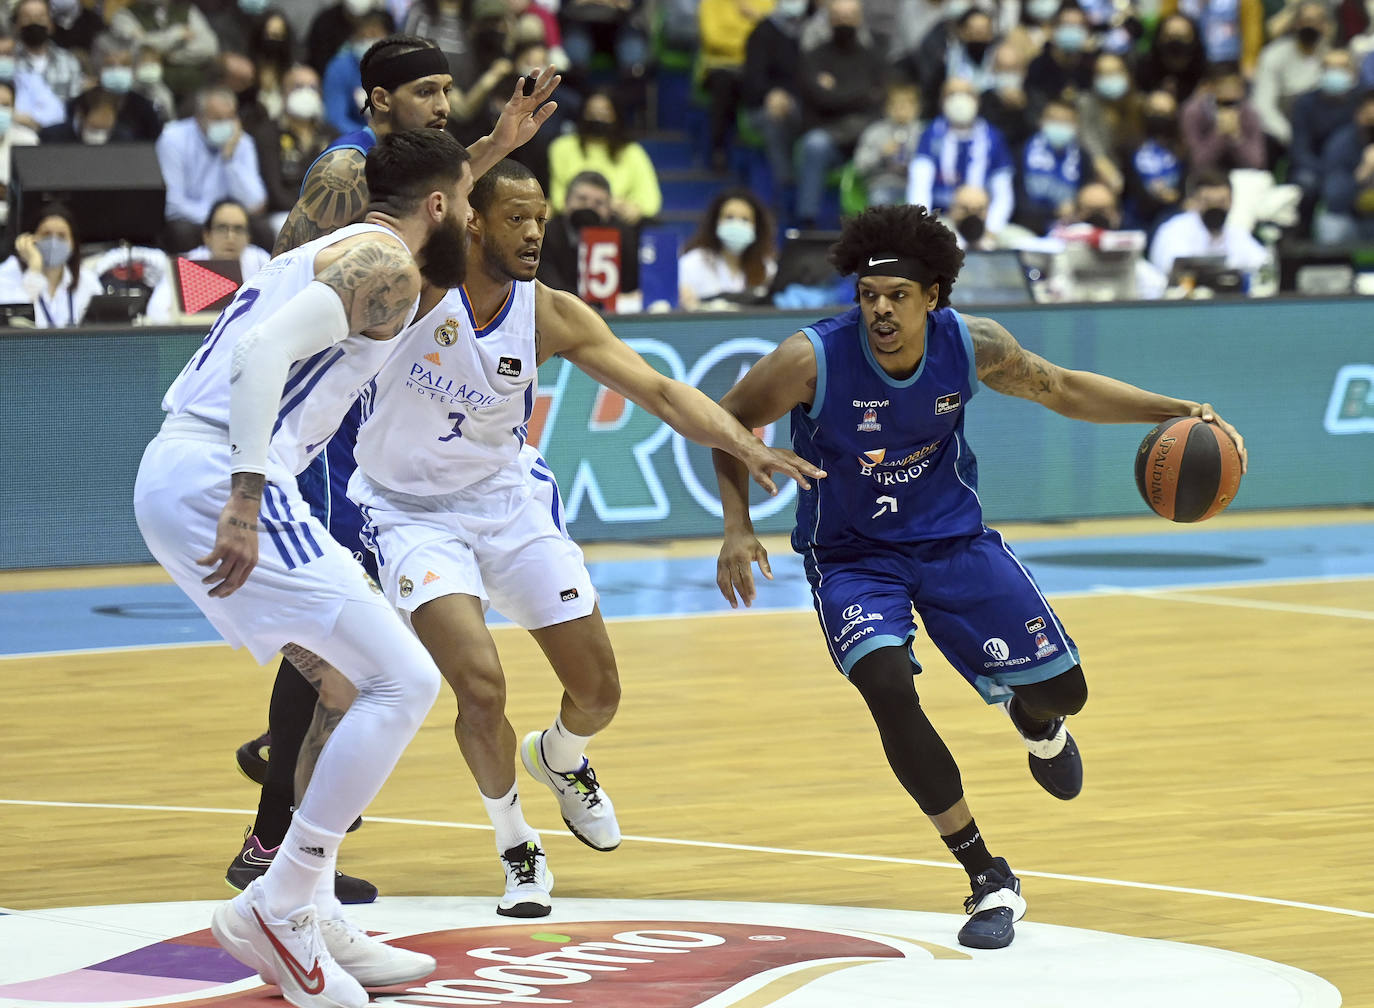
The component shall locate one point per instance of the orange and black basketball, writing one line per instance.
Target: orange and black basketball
(1187, 470)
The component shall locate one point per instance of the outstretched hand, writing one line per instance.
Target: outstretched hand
(735, 567)
(764, 462)
(525, 113)
(1206, 413)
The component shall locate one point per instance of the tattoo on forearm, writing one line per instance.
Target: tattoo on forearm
(1004, 365)
(240, 523)
(247, 485)
(335, 194)
(377, 282)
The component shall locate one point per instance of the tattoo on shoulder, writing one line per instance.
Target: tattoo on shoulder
(335, 194)
(377, 282)
(1006, 366)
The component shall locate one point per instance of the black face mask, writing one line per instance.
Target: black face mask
(1175, 52)
(585, 217)
(595, 129)
(977, 50)
(275, 50)
(1214, 219)
(1309, 36)
(845, 36)
(1160, 126)
(33, 35)
(1099, 220)
(972, 228)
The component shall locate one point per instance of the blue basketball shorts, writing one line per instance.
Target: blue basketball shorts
(979, 605)
(324, 486)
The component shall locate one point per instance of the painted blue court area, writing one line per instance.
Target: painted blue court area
(79, 619)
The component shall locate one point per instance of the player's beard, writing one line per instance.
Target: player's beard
(446, 254)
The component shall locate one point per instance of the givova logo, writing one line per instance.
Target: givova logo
(626, 954)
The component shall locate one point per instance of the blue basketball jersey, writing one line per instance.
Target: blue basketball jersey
(899, 469)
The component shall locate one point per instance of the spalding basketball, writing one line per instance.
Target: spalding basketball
(1187, 470)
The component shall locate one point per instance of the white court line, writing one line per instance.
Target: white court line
(755, 849)
(1167, 595)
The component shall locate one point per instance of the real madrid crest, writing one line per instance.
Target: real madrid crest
(407, 586)
(447, 334)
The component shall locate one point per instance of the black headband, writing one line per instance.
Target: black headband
(394, 71)
(893, 265)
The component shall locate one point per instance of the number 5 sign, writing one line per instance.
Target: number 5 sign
(598, 266)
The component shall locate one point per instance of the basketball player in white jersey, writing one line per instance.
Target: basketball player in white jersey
(462, 512)
(218, 504)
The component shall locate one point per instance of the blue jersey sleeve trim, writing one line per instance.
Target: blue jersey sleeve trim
(968, 349)
(819, 349)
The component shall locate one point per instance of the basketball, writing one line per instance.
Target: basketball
(1187, 470)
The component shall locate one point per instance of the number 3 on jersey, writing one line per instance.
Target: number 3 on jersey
(457, 431)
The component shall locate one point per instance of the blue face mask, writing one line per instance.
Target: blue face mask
(253, 7)
(1071, 37)
(1336, 81)
(6, 68)
(217, 133)
(1059, 134)
(118, 79)
(1113, 86)
(735, 234)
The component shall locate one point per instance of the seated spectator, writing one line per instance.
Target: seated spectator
(1157, 168)
(274, 50)
(1347, 169)
(238, 73)
(1201, 229)
(1317, 116)
(724, 29)
(206, 158)
(618, 29)
(1064, 67)
(92, 120)
(136, 120)
(12, 135)
(1053, 168)
(1109, 119)
(959, 149)
(1221, 129)
(959, 46)
(343, 94)
(1288, 66)
(1231, 32)
(289, 145)
(731, 256)
(599, 144)
(1005, 105)
(37, 52)
(75, 25)
(35, 104)
(179, 33)
(148, 83)
(1086, 271)
(45, 271)
(225, 236)
(586, 204)
(769, 99)
(967, 217)
(882, 158)
(1176, 61)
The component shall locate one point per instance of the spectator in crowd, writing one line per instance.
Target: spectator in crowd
(1096, 209)
(725, 29)
(238, 73)
(440, 21)
(224, 236)
(1110, 124)
(1201, 229)
(343, 96)
(1347, 169)
(599, 143)
(1317, 116)
(12, 135)
(1064, 67)
(1221, 128)
(479, 119)
(1005, 105)
(289, 145)
(148, 83)
(75, 25)
(1053, 168)
(91, 121)
(732, 254)
(967, 217)
(838, 81)
(587, 203)
(234, 22)
(35, 105)
(334, 25)
(1176, 61)
(769, 99)
(1032, 29)
(1231, 32)
(1289, 66)
(136, 119)
(45, 271)
(180, 34)
(478, 81)
(616, 28)
(882, 159)
(274, 51)
(1157, 168)
(206, 158)
(959, 47)
(39, 54)
(960, 149)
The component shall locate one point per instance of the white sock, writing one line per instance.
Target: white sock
(327, 903)
(562, 749)
(508, 818)
(306, 852)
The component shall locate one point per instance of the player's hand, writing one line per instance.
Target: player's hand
(1209, 415)
(236, 548)
(525, 113)
(735, 567)
(765, 462)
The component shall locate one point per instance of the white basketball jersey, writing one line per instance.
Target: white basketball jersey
(318, 390)
(452, 403)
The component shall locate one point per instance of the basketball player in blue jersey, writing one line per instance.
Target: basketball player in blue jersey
(407, 81)
(217, 502)
(463, 512)
(877, 398)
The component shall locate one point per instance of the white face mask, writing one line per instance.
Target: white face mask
(735, 234)
(94, 137)
(357, 7)
(117, 78)
(6, 118)
(960, 109)
(148, 74)
(304, 103)
(217, 133)
(792, 8)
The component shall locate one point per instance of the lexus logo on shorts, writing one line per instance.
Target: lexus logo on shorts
(853, 611)
(996, 648)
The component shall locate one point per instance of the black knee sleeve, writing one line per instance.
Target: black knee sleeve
(1061, 696)
(918, 756)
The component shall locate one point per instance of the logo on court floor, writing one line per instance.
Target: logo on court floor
(628, 954)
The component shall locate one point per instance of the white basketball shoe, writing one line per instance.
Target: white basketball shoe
(585, 806)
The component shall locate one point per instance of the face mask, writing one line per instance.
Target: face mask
(791, 8)
(1007, 81)
(304, 103)
(1058, 134)
(585, 217)
(94, 137)
(357, 7)
(55, 251)
(148, 74)
(117, 78)
(1112, 87)
(596, 129)
(33, 35)
(1071, 37)
(1307, 35)
(1099, 220)
(1214, 219)
(1042, 10)
(253, 7)
(275, 49)
(217, 133)
(6, 117)
(972, 228)
(977, 50)
(735, 234)
(960, 109)
(6, 68)
(1336, 81)
(844, 36)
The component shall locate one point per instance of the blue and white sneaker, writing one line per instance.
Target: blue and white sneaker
(995, 906)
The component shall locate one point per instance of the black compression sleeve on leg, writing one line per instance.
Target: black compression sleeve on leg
(918, 756)
(288, 719)
(1061, 696)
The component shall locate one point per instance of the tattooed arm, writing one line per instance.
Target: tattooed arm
(334, 194)
(377, 281)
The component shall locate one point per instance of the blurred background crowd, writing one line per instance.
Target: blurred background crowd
(1102, 149)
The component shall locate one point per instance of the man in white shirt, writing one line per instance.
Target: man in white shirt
(1201, 230)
